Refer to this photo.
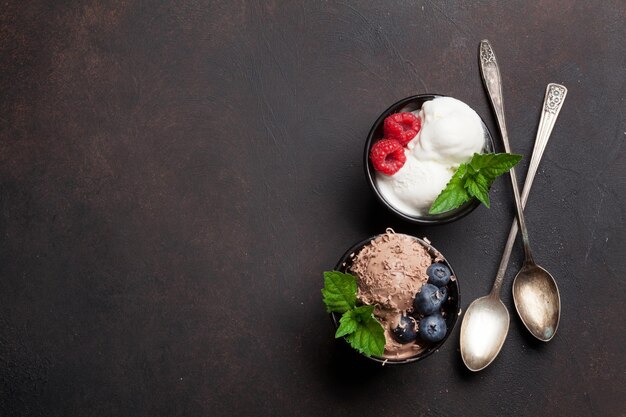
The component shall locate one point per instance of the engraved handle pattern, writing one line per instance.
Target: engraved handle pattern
(486, 53)
(555, 94)
(553, 101)
(491, 79)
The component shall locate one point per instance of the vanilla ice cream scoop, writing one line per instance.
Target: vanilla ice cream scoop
(451, 132)
(416, 185)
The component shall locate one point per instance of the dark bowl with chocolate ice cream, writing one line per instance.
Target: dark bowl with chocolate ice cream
(391, 269)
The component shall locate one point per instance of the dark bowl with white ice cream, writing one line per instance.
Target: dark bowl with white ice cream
(449, 135)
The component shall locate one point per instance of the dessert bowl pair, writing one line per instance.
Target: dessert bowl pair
(450, 308)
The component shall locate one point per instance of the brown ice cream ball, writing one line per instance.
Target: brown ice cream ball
(390, 271)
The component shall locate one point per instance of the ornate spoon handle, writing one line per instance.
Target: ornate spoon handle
(492, 81)
(552, 103)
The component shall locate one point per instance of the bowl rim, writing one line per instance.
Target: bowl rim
(451, 319)
(437, 219)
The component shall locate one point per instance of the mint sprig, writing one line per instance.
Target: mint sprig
(339, 291)
(357, 324)
(368, 336)
(474, 179)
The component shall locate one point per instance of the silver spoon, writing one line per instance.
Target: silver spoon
(535, 292)
(486, 322)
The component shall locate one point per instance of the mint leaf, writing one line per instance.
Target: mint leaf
(473, 179)
(369, 337)
(339, 291)
(362, 331)
(350, 320)
(481, 160)
(358, 324)
(492, 165)
(363, 313)
(477, 188)
(453, 195)
(482, 180)
(347, 324)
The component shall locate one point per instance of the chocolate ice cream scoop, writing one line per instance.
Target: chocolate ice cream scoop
(390, 271)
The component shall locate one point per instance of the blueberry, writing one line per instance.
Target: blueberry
(438, 274)
(406, 332)
(429, 299)
(433, 328)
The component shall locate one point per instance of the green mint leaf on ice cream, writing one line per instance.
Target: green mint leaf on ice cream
(368, 338)
(357, 324)
(474, 179)
(339, 291)
(453, 195)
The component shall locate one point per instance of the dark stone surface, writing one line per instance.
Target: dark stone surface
(174, 176)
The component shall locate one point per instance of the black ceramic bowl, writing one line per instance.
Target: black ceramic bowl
(410, 104)
(450, 308)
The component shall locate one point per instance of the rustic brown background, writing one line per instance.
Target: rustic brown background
(175, 176)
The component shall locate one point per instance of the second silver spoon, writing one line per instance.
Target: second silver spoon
(535, 293)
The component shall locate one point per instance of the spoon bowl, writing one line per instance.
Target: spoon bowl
(484, 329)
(537, 301)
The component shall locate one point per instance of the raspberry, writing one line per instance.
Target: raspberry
(402, 126)
(387, 156)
